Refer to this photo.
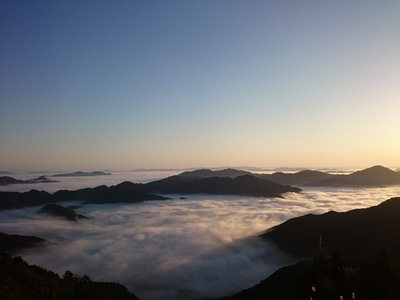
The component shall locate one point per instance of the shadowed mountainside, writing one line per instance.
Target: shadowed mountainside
(61, 211)
(355, 234)
(245, 185)
(12, 243)
(19, 280)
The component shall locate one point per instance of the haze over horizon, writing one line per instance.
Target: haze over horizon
(125, 85)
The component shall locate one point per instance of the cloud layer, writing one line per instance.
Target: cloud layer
(177, 249)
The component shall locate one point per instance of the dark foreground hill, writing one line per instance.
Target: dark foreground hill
(329, 277)
(19, 280)
(125, 192)
(356, 233)
(356, 253)
(245, 185)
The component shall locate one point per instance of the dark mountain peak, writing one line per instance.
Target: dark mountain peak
(197, 173)
(204, 173)
(61, 211)
(6, 180)
(309, 172)
(128, 185)
(375, 176)
(374, 171)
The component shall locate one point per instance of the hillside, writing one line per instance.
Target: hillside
(19, 280)
(329, 277)
(356, 233)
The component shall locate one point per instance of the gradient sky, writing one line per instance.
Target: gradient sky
(173, 84)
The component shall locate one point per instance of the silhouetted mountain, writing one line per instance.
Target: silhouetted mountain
(79, 174)
(61, 211)
(205, 173)
(6, 180)
(22, 281)
(328, 278)
(12, 243)
(245, 185)
(372, 177)
(125, 192)
(300, 178)
(355, 234)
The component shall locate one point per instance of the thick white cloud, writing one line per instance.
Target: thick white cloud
(169, 249)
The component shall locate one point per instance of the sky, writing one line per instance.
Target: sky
(123, 84)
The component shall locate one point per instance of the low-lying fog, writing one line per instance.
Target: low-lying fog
(179, 248)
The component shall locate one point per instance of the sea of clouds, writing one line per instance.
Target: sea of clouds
(202, 246)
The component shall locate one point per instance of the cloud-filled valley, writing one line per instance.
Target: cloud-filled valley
(179, 248)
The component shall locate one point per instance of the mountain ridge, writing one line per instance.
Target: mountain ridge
(348, 232)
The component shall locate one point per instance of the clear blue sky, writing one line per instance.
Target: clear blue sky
(173, 84)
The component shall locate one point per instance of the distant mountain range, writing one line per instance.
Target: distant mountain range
(376, 176)
(126, 192)
(7, 180)
(197, 182)
(80, 174)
